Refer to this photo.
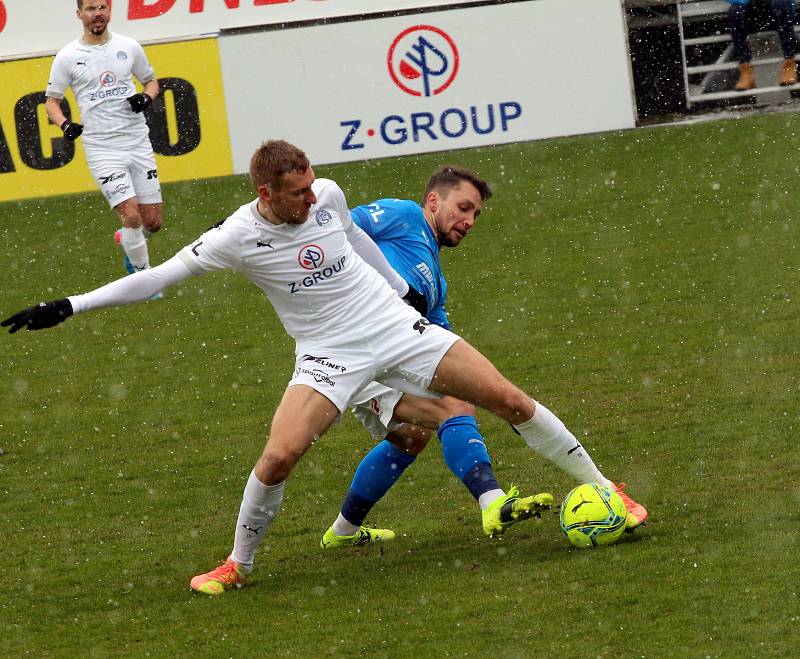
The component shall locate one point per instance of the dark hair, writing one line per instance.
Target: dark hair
(273, 159)
(451, 176)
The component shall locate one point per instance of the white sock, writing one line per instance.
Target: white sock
(343, 527)
(134, 245)
(260, 505)
(487, 497)
(549, 437)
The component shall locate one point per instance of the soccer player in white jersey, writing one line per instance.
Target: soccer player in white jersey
(332, 289)
(411, 236)
(100, 66)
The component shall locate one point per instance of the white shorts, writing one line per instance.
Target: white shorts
(374, 407)
(401, 354)
(122, 175)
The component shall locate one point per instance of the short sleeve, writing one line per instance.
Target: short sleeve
(141, 65)
(361, 217)
(60, 78)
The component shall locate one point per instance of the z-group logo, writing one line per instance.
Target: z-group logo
(423, 61)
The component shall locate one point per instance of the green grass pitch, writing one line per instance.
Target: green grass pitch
(643, 285)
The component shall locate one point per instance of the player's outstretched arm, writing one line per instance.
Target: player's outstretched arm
(137, 287)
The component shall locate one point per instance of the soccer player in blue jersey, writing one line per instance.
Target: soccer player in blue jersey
(411, 236)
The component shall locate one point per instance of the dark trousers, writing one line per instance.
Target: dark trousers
(783, 13)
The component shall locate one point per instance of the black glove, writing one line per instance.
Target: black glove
(43, 315)
(71, 131)
(139, 102)
(416, 300)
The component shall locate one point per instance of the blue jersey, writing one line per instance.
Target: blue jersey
(399, 228)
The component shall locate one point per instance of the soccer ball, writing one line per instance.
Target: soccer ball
(592, 515)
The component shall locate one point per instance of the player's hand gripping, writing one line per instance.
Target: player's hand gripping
(71, 131)
(139, 102)
(42, 316)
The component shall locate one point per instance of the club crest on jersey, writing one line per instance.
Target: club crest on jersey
(122, 55)
(323, 217)
(311, 257)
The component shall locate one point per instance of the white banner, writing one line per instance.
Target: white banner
(431, 82)
(44, 26)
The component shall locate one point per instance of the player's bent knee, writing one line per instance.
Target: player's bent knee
(151, 222)
(276, 464)
(412, 443)
(131, 220)
(513, 405)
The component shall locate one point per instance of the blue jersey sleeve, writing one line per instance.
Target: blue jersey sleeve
(400, 230)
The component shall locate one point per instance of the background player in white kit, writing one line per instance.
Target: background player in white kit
(99, 66)
(298, 243)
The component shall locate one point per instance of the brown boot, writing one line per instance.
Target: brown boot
(746, 79)
(788, 73)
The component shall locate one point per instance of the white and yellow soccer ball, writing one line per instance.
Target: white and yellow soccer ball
(592, 515)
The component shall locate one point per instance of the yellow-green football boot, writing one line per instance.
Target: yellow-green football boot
(506, 511)
(363, 536)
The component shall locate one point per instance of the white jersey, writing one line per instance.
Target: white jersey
(102, 78)
(318, 285)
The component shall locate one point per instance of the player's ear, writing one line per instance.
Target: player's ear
(264, 192)
(432, 201)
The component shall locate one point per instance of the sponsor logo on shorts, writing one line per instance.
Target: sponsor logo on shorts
(319, 376)
(116, 176)
(323, 217)
(319, 276)
(122, 188)
(324, 361)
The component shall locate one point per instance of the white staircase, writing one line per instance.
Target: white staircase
(712, 81)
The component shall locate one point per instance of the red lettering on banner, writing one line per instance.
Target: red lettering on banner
(2, 16)
(197, 6)
(140, 9)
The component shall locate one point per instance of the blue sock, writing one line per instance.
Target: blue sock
(466, 456)
(378, 471)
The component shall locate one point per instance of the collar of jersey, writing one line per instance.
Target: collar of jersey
(264, 223)
(96, 45)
